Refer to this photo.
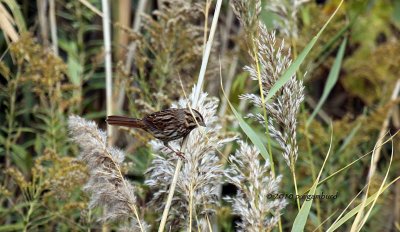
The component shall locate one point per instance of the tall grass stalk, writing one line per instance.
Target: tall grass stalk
(11, 114)
(340, 221)
(108, 72)
(271, 157)
(383, 131)
(198, 89)
(270, 61)
(53, 26)
(206, 55)
(360, 217)
(358, 222)
(42, 18)
(260, 86)
(131, 52)
(107, 60)
(170, 194)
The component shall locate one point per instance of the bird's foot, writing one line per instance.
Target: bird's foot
(178, 153)
(181, 155)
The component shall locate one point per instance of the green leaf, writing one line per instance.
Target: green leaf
(75, 68)
(292, 69)
(21, 157)
(239, 82)
(354, 211)
(301, 218)
(38, 145)
(247, 129)
(332, 79)
(250, 133)
(95, 115)
(12, 227)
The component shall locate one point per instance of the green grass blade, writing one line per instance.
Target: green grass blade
(12, 227)
(328, 47)
(250, 133)
(350, 164)
(354, 211)
(247, 129)
(332, 79)
(296, 64)
(366, 216)
(301, 218)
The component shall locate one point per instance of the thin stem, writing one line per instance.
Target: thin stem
(13, 86)
(313, 173)
(190, 204)
(207, 9)
(28, 215)
(35, 193)
(10, 129)
(170, 196)
(42, 8)
(108, 69)
(292, 169)
(199, 87)
(53, 26)
(207, 52)
(382, 132)
(108, 61)
(292, 161)
(131, 52)
(271, 158)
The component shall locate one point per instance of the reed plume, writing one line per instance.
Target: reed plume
(254, 201)
(106, 185)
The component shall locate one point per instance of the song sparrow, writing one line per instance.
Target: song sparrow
(166, 125)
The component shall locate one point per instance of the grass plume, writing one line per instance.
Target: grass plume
(106, 185)
(254, 201)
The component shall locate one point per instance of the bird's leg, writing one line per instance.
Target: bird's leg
(178, 153)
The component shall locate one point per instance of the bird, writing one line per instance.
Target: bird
(166, 125)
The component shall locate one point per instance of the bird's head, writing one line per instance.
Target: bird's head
(194, 118)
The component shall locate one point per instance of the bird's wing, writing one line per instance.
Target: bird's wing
(162, 120)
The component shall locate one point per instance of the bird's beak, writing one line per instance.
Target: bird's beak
(202, 124)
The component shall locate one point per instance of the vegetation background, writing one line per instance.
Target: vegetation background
(53, 65)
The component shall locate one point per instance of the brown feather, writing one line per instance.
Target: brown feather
(125, 121)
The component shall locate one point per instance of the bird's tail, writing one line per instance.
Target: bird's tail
(124, 121)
